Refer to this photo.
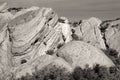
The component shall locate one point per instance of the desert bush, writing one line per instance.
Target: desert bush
(49, 73)
(59, 46)
(54, 73)
(97, 73)
(50, 52)
(113, 55)
(75, 37)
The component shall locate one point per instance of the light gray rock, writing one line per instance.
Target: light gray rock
(5, 47)
(40, 63)
(26, 36)
(3, 7)
(112, 35)
(80, 54)
(89, 32)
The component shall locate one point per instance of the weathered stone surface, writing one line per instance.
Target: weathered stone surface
(80, 54)
(40, 63)
(32, 32)
(3, 7)
(89, 32)
(26, 36)
(66, 29)
(5, 46)
(112, 35)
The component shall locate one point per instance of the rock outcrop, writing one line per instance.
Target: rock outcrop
(5, 46)
(112, 34)
(80, 54)
(34, 31)
(26, 36)
(88, 31)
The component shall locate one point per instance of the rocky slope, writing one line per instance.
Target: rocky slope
(27, 35)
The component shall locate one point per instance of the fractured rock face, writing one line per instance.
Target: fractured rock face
(112, 35)
(33, 31)
(26, 36)
(80, 54)
(5, 46)
(66, 29)
(89, 32)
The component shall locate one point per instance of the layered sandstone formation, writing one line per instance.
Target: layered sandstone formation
(27, 35)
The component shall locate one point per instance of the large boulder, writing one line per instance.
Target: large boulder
(89, 32)
(80, 54)
(112, 35)
(66, 29)
(41, 63)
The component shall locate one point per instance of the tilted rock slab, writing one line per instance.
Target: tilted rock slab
(80, 54)
(34, 31)
(5, 47)
(89, 32)
(112, 35)
(26, 36)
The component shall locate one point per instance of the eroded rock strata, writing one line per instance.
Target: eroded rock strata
(27, 35)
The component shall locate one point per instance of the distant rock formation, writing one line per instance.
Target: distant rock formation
(81, 54)
(89, 32)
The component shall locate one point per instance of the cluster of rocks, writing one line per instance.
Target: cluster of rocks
(27, 35)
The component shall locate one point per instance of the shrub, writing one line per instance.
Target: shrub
(113, 55)
(50, 52)
(49, 73)
(54, 73)
(75, 37)
(59, 46)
